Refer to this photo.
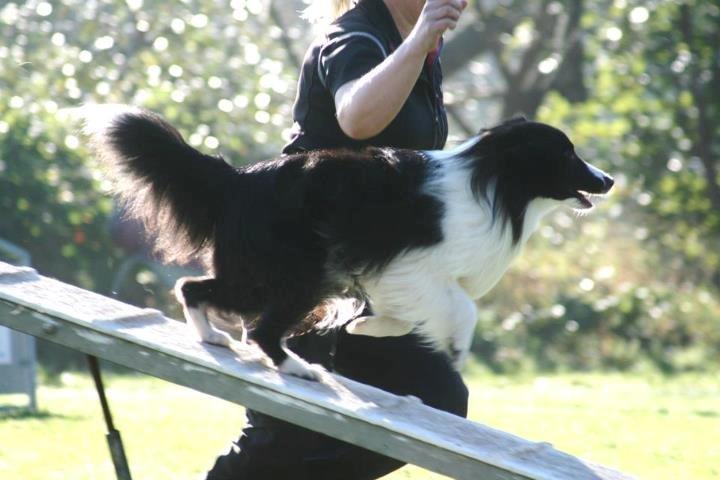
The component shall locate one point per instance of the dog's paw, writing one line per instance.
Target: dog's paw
(216, 337)
(297, 367)
(458, 358)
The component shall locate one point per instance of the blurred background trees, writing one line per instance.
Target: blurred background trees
(635, 84)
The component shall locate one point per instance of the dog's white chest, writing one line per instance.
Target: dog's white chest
(477, 249)
(479, 260)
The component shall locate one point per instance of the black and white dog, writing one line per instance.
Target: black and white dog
(418, 235)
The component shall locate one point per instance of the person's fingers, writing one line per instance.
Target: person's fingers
(459, 4)
(440, 12)
(437, 17)
(456, 4)
(448, 12)
(447, 24)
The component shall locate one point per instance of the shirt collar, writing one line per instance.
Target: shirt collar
(380, 16)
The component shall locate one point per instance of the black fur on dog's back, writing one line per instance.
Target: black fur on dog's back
(366, 203)
(360, 207)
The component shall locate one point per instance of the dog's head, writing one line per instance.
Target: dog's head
(527, 160)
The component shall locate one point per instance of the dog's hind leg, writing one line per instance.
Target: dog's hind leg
(275, 321)
(195, 294)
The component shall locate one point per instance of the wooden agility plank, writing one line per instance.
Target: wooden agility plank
(401, 427)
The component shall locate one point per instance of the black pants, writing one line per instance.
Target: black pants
(273, 449)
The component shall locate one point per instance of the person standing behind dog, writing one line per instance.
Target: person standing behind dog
(373, 78)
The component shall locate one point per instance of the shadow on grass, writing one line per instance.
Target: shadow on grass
(24, 413)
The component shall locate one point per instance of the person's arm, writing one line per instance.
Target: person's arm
(367, 105)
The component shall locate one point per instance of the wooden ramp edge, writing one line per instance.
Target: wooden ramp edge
(401, 427)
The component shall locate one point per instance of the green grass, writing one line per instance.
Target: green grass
(657, 428)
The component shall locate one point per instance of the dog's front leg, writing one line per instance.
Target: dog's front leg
(464, 321)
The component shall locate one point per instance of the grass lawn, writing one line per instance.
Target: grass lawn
(656, 428)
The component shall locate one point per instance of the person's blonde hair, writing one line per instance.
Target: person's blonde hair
(325, 11)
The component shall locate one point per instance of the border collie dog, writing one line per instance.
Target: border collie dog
(415, 235)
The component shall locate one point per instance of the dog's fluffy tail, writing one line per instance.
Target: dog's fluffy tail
(176, 191)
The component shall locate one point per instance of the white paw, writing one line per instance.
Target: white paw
(297, 367)
(216, 337)
(378, 327)
(459, 357)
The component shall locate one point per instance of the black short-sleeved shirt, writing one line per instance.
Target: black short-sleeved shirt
(353, 45)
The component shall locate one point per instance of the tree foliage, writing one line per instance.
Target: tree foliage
(635, 84)
(644, 106)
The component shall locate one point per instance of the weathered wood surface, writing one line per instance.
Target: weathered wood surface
(401, 427)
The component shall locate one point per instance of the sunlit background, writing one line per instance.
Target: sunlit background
(632, 287)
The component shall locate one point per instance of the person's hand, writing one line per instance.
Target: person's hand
(436, 17)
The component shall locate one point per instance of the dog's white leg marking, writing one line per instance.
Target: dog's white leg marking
(200, 327)
(237, 321)
(377, 326)
(464, 319)
(297, 367)
(197, 321)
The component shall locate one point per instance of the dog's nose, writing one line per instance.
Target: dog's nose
(608, 183)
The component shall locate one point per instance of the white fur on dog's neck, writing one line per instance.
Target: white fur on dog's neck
(452, 153)
(434, 288)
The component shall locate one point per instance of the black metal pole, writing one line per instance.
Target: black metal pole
(117, 452)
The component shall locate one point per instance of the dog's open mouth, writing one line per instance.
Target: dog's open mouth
(583, 198)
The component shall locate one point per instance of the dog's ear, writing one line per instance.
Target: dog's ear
(506, 125)
(512, 122)
(516, 120)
